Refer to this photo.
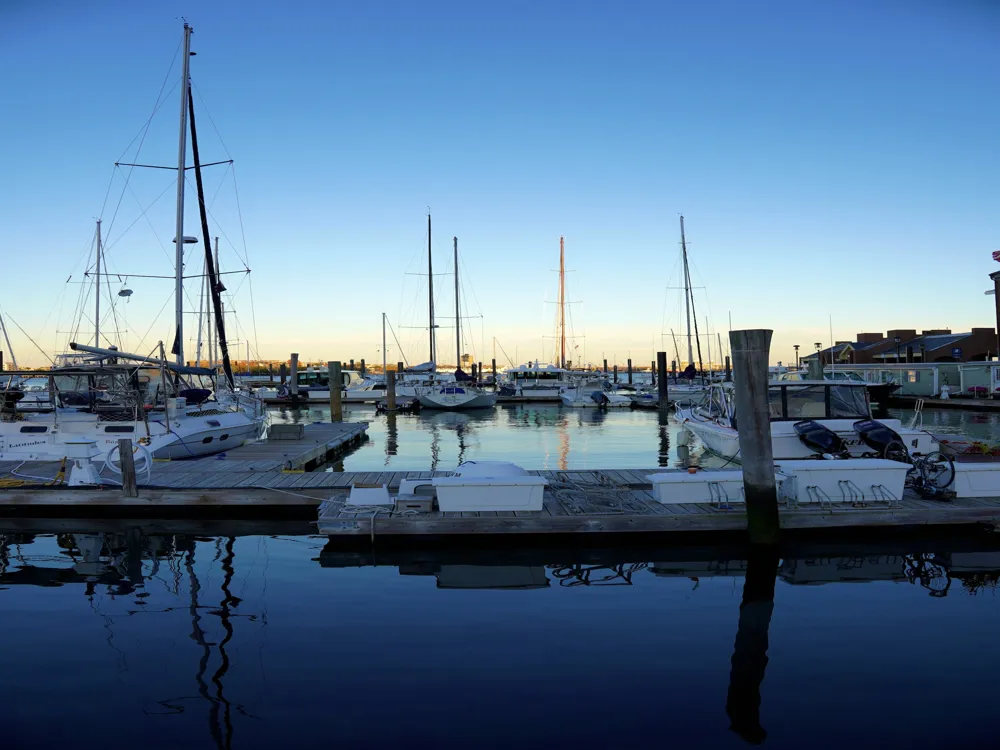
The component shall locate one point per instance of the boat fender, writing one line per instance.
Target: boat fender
(684, 438)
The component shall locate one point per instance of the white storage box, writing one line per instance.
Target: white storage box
(843, 481)
(710, 486)
(369, 495)
(489, 485)
(977, 479)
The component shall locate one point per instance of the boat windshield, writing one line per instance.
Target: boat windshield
(818, 402)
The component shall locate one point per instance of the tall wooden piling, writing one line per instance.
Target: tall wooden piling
(479, 373)
(729, 370)
(616, 374)
(652, 372)
(336, 383)
(130, 486)
(351, 368)
(283, 373)
(390, 390)
(399, 368)
(361, 371)
(293, 386)
(605, 367)
(630, 372)
(750, 351)
(493, 362)
(661, 379)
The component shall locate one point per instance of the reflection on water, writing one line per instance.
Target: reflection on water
(189, 639)
(542, 436)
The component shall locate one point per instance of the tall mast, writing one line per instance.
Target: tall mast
(562, 302)
(687, 292)
(214, 339)
(430, 292)
(201, 313)
(97, 291)
(383, 345)
(458, 314)
(179, 234)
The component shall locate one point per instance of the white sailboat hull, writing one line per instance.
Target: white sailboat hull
(451, 398)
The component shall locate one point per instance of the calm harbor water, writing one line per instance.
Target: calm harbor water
(282, 639)
(549, 436)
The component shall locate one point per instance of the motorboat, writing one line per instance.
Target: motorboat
(455, 396)
(797, 409)
(594, 394)
(536, 382)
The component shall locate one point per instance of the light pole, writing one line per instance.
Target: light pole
(796, 348)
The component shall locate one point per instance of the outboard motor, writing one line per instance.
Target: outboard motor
(884, 440)
(820, 439)
(599, 398)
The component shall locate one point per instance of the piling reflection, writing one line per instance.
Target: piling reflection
(663, 455)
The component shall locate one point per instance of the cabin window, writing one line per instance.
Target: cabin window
(119, 428)
(224, 436)
(207, 440)
(912, 376)
(34, 428)
(213, 423)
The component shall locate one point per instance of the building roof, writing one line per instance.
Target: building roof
(931, 343)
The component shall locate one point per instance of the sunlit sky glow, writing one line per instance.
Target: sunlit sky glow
(832, 160)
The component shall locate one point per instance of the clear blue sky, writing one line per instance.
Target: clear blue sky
(830, 159)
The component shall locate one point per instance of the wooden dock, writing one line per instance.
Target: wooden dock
(582, 504)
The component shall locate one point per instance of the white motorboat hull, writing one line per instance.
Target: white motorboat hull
(785, 444)
(455, 398)
(587, 402)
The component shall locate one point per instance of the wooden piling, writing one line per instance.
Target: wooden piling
(293, 385)
(399, 367)
(493, 362)
(661, 379)
(475, 374)
(479, 373)
(390, 390)
(336, 383)
(652, 372)
(283, 373)
(351, 368)
(750, 349)
(605, 367)
(673, 367)
(270, 372)
(130, 487)
(361, 371)
(729, 370)
(630, 372)
(616, 374)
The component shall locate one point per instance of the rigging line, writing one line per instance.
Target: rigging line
(253, 319)
(145, 215)
(128, 177)
(209, 113)
(239, 213)
(160, 99)
(402, 353)
(218, 227)
(44, 353)
(137, 219)
(155, 321)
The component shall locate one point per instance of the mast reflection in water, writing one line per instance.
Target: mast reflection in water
(205, 640)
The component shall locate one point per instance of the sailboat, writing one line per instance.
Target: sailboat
(679, 389)
(459, 394)
(156, 403)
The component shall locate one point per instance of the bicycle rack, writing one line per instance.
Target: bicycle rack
(851, 493)
(882, 495)
(818, 496)
(720, 498)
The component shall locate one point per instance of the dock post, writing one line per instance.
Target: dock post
(494, 363)
(479, 373)
(130, 487)
(399, 368)
(616, 374)
(1, 360)
(750, 350)
(283, 372)
(351, 368)
(630, 372)
(336, 383)
(362, 370)
(673, 367)
(652, 372)
(605, 368)
(661, 379)
(293, 385)
(390, 390)
(270, 372)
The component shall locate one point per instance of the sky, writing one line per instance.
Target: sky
(835, 164)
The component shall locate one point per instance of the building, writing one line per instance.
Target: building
(906, 345)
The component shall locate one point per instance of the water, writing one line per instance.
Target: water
(542, 436)
(281, 639)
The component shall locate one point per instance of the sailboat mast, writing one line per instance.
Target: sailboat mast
(562, 302)
(383, 346)
(430, 293)
(179, 234)
(97, 291)
(201, 313)
(458, 314)
(687, 292)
